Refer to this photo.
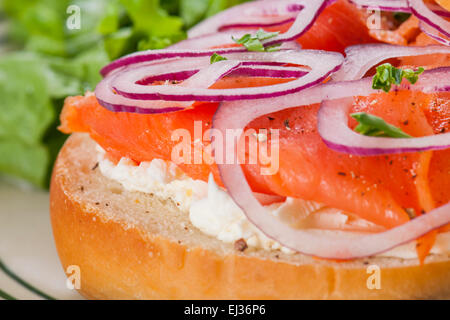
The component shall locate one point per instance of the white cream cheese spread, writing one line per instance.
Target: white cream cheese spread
(213, 212)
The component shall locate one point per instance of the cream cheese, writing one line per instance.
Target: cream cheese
(161, 178)
(213, 212)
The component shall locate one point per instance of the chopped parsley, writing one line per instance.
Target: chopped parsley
(387, 75)
(216, 58)
(253, 41)
(370, 125)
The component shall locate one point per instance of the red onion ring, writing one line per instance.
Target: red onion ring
(231, 115)
(421, 11)
(256, 14)
(213, 40)
(360, 58)
(125, 82)
(433, 34)
(383, 5)
(255, 71)
(220, 40)
(109, 98)
(258, 23)
(332, 119)
(395, 5)
(117, 103)
(334, 130)
(163, 55)
(270, 12)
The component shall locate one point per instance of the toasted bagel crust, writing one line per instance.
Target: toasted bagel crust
(126, 249)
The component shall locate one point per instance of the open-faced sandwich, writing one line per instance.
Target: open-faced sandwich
(287, 149)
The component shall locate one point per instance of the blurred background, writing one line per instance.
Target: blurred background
(50, 49)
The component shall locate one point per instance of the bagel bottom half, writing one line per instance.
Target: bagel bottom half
(130, 245)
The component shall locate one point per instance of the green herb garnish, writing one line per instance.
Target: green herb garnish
(216, 58)
(387, 75)
(370, 125)
(401, 16)
(253, 41)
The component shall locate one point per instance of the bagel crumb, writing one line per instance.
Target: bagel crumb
(240, 245)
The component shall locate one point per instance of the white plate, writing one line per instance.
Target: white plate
(29, 264)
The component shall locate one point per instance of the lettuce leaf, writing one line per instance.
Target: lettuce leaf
(52, 62)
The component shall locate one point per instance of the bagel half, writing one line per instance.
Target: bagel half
(130, 245)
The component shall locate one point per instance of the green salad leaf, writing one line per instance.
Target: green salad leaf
(53, 61)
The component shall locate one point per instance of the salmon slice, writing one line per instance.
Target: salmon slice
(403, 35)
(438, 115)
(380, 189)
(429, 61)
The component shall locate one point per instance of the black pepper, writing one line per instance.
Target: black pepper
(286, 124)
(240, 245)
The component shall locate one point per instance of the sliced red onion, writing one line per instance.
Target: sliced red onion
(195, 83)
(269, 71)
(220, 40)
(243, 16)
(396, 5)
(383, 5)
(322, 64)
(231, 115)
(110, 99)
(213, 40)
(304, 21)
(256, 14)
(334, 130)
(116, 103)
(360, 58)
(164, 55)
(258, 23)
(421, 11)
(433, 33)
(244, 70)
